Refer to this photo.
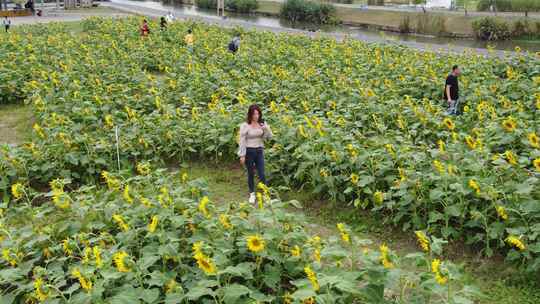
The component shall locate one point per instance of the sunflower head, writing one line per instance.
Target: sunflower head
(354, 179)
(536, 164)
(205, 264)
(255, 243)
(509, 124)
(533, 140)
(449, 124)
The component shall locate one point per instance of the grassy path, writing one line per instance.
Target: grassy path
(15, 123)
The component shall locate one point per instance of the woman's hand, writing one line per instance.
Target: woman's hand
(242, 160)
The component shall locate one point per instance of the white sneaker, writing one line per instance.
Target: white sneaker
(252, 198)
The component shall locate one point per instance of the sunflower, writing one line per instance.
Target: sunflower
(119, 260)
(423, 240)
(255, 243)
(474, 185)
(509, 124)
(449, 124)
(516, 242)
(17, 190)
(205, 263)
(533, 140)
(295, 251)
(536, 164)
(436, 269)
(354, 179)
(378, 197)
(153, 224)
(143, 168)
(470, 142)
(510, 157)
(312, 277)
(501, 212)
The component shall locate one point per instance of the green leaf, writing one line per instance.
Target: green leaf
(7, 298)
(524, 189)
(295, 203)
(11, 274)
(234, 292)
(241, 270)
(198, 292)
(174, 298)
(147, 261)
(124, 297)
(365, 180)
(303, 293)
(435, 194)
(150, 295)
(347, 287)
(453, 210)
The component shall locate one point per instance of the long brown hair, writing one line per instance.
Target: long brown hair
(251, 111)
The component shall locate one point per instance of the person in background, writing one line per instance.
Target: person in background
(234, 45)
(169, 17)
(7, 23)
(189, 39)
(163, 23)
(451, 91)
(253, 132)
(145, 29)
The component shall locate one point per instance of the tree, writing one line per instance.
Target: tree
(526, 6)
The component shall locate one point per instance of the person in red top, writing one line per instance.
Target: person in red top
(145, 30)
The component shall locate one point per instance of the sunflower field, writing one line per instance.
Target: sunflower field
(362, 124)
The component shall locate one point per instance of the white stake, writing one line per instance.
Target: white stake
(117, 148)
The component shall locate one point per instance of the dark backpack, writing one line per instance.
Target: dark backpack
(232, 47)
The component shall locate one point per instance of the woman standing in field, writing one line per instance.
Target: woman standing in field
(253, 132)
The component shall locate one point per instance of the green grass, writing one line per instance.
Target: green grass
(497, 281)
(93, 10)
(455, 23)
(269, 7)
(227, 182)
(15, 123)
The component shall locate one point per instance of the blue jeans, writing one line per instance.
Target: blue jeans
(453, 107)
(255, 161)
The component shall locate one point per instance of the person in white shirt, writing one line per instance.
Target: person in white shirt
(169, 17)
(253, 132)
(7, 23)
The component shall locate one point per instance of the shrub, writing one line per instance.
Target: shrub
(405, 24)
(307, 11)
(375, 2)
(500, 5)
(430, 24)
(525, 6)
(521, 28)
(489, 28)
(206, 3)
(242, 6)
